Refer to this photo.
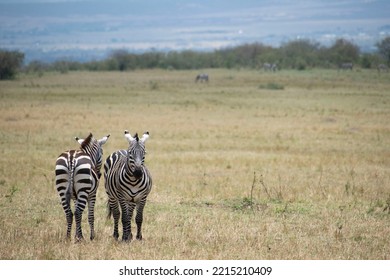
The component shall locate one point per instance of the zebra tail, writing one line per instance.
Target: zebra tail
(68, 195)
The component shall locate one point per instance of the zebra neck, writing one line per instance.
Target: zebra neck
(93, 156)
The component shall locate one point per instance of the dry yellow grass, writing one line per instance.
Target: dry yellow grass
(252, 165)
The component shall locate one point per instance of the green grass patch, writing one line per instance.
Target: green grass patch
(271, 86)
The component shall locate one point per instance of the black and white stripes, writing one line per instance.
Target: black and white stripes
(128, 183)
(346, 66)
(77, 174)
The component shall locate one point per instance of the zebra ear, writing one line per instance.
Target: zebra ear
(103, 140)
(145, 137)
(79, 140)
(128, 136)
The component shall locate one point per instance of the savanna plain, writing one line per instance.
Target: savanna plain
(251, 165)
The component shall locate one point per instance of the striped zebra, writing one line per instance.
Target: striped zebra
(128, 183)
(382, 68)
(77, 177)
(270, 67)
(346, 66)
(202, 78)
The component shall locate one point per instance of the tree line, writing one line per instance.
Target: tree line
(298, 54)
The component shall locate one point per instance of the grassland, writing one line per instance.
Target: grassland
(252, 165)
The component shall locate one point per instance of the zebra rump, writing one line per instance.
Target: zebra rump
(77, 177)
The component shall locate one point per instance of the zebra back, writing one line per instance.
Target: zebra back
(73, 168)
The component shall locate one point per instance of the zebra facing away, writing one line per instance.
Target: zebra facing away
(128, 183)
(77, 177)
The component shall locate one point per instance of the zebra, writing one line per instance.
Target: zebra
(346, 66)
(128, 183)
(77, 174)
(270, 67)
(202, 78)
(382, 68)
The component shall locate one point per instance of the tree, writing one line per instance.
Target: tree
(10, 63)
(370, 60)
(37, 67)
(300, 53)
(343, 51)
(384, 48)
(123, 59)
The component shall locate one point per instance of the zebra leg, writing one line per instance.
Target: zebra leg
(69, 217)
(139, 218)
(114, 210)
(131, 210)
(78, 217)
(91, 214)
(126, 221)
(62, 185)
(69, 220)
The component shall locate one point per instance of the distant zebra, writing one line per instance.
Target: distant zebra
(346, 66)
(270, 67)
(382, 68)
(77, 177)
(128, 183)
(202, 78)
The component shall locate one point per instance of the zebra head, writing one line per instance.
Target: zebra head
(136, 152)
(94, 149)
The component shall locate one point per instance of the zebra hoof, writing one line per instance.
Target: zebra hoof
(92, 236)
(79, 239)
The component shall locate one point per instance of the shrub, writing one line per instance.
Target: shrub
(10, 63)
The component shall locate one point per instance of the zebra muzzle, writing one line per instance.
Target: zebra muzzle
(137, 172)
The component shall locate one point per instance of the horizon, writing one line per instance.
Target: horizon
(86, 30)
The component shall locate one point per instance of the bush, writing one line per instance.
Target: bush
(343, 51)
(10, 63)
(384, 48)
(272, 86)
(37, 67)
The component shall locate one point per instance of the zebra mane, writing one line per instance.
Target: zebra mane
(136, 137)
(87, 141)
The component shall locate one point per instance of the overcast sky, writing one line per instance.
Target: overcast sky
(48, 25)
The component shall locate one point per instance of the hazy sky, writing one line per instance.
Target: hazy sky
(55, 25)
